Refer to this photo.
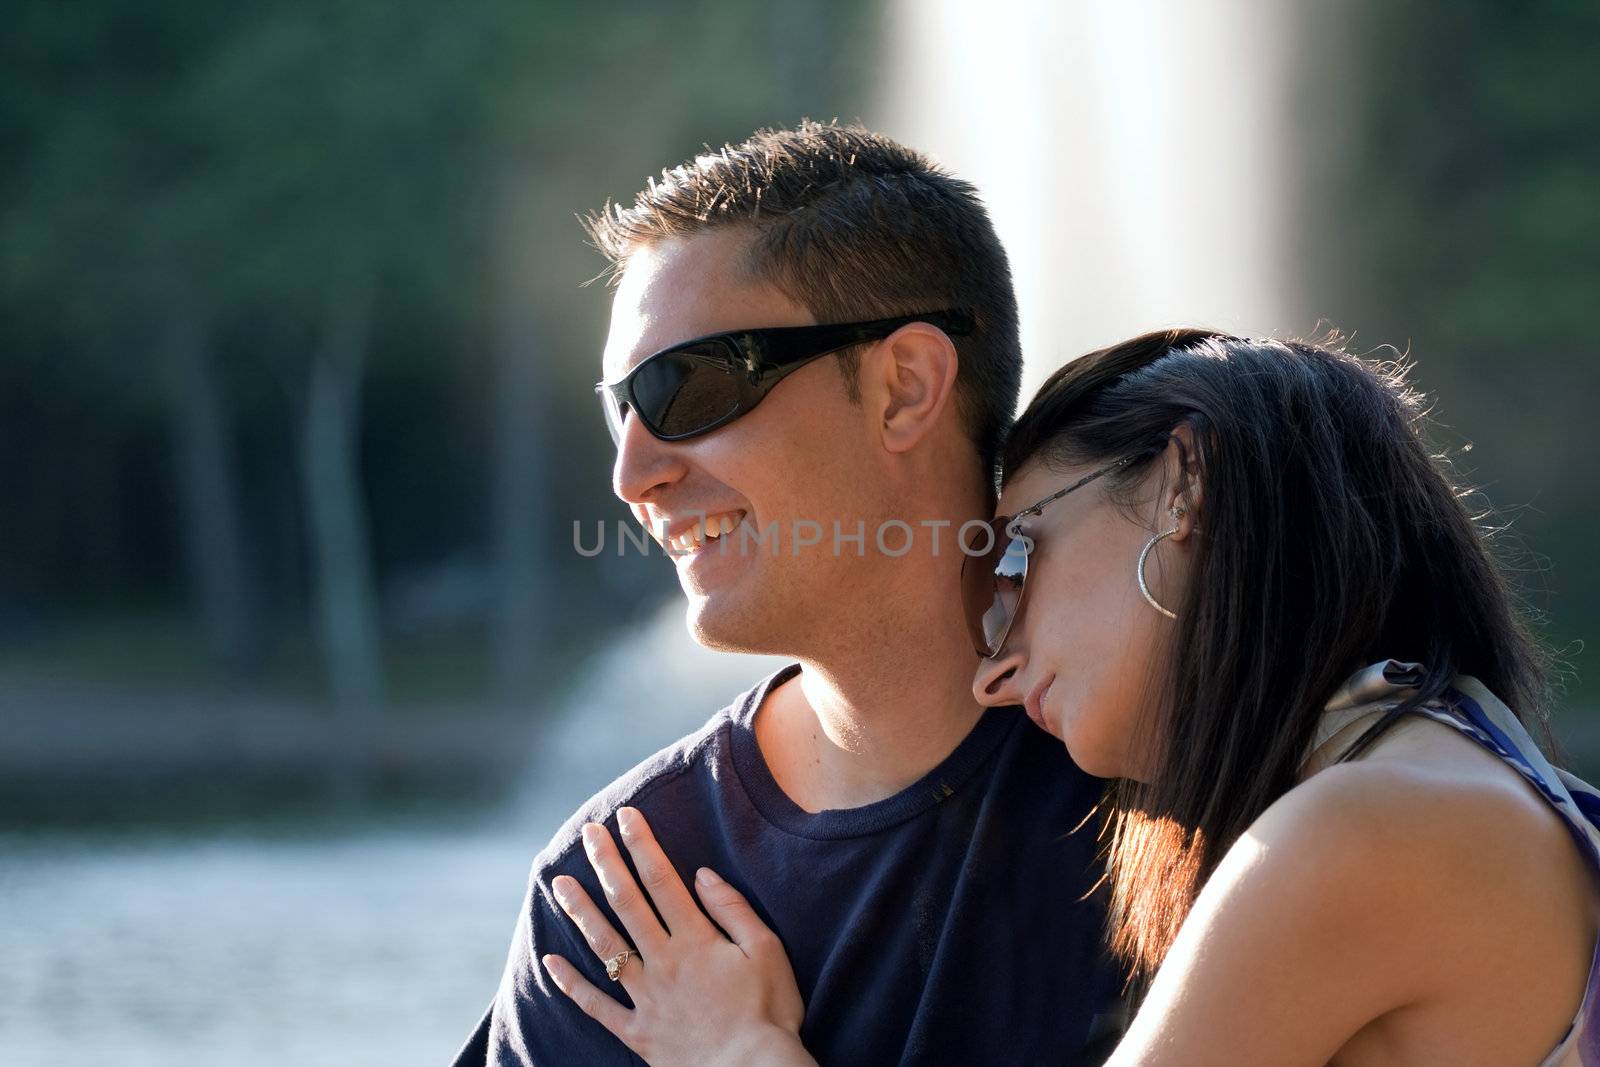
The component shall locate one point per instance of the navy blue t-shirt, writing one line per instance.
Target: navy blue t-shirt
(951, 923)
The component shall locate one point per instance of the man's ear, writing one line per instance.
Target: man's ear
(912, 378)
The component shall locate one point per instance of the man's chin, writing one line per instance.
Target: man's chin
(716, 622)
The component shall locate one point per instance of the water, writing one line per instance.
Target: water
(338, 943)
(372, 946)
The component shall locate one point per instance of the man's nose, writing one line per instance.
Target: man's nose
(998, 681)
(643, 464)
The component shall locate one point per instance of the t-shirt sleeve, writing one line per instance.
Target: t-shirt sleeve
(530, 1021)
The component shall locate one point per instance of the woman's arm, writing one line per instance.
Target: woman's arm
(701, 997)
(1367, 892)
(1277, 962)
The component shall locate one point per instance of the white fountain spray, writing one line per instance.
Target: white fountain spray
(1133, 155)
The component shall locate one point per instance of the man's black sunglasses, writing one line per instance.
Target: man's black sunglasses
(694, 387)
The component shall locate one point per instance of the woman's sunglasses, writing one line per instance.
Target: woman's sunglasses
(992, 583)
(694, 387)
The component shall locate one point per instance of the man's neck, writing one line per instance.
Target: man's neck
(870, 721)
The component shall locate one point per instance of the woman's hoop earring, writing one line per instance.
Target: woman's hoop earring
(1139, 570)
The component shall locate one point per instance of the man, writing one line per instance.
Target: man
(913, 851)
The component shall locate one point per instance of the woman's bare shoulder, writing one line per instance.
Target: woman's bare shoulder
(1426, 896)
(1425, 784)
(1427, 809)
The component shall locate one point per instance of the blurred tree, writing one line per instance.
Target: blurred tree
(225, 228)
(348, 147)
(1466, 227)
(107, 225)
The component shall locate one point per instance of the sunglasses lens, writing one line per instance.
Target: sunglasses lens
(615, 413)
(991, 585)
(686, 390)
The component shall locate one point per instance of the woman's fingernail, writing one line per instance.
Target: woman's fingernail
(591, 833)
(550, 966)
(627, 819)
(706, 876)
(563, 894)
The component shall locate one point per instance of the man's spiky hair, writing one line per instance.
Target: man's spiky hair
(850, 225)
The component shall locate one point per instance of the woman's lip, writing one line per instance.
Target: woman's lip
(1033, 703)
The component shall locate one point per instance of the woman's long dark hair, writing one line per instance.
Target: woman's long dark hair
(1333, 538)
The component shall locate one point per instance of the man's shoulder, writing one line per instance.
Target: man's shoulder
(690, 767)
(661, 770)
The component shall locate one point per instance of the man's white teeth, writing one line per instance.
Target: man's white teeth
(705, 529)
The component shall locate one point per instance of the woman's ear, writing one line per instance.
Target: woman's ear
(915, 377)
(1182, 502)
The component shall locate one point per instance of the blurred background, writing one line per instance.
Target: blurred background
(298, 667)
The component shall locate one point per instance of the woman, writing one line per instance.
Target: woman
(1229, 575)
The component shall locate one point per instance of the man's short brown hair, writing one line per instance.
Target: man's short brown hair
(850, 225)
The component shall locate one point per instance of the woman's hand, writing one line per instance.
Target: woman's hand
(699, 997)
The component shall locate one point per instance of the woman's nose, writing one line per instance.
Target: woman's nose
(997, 682)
